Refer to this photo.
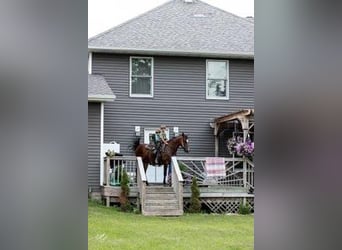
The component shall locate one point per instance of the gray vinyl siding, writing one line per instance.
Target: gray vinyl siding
(94, 140)
(179, 99)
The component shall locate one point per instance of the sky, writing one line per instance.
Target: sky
(105, 14)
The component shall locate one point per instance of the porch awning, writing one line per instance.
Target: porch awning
(244, 116)
(99, 90)
(234, 116)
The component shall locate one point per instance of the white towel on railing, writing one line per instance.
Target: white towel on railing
(215, 166)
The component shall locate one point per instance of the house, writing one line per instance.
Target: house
(182, 64)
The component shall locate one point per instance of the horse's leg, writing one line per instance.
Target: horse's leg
(165, 173)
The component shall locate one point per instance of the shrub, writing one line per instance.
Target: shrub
(244, 209)
(125, 205)
(195, 203)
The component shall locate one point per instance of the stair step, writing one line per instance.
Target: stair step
(173, 212)
(166, 211)
(162, 211)
(160, 196)
(159, 190)
(161, 202)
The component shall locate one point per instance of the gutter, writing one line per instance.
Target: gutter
(101, 98)
(189, 53)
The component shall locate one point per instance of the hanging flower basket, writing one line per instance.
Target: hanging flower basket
(237, 146)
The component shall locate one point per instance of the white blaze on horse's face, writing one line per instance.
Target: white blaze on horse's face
(186, 146)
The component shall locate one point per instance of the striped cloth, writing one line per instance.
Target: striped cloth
(215, 166)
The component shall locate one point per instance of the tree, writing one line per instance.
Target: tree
(195, 203)
(125, 205)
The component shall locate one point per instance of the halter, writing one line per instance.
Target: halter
(182, 144)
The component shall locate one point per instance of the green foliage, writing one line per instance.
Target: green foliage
(195, 203)
(244, 209)
(182, 166)
(125, 205)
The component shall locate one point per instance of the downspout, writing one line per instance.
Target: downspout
(101, 143)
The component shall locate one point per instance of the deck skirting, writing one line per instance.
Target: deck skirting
(214, 200)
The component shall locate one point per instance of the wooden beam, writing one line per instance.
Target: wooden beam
(245, 127)
(233, 116)
(216, 139)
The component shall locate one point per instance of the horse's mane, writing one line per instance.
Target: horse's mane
(136, 144)
(176, 137)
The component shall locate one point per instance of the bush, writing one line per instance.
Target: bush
(244, 209)
(125, 205)
(195, 203)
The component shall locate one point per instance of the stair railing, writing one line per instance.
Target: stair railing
(141, 181)
(177, 182)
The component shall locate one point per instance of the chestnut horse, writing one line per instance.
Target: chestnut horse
(148, 157)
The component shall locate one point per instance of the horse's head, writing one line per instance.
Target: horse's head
(185, 143)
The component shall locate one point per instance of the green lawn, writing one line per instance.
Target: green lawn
(111, 229)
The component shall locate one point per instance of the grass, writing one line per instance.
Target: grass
(109, 228)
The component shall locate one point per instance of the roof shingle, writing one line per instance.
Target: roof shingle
(180, 27)
(98, 89)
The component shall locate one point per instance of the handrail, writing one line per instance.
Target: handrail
(186, 158)
(141, 169)
(177, 170)
(177, 182)
(141, 181)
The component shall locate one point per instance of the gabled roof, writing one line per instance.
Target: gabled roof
(98, 89)
(180, 28)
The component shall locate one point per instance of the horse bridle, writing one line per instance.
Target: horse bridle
(182, 144)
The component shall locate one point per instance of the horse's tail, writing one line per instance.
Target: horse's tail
(135, 144)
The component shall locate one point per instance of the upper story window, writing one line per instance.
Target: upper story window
(217, 79)
(141, 76)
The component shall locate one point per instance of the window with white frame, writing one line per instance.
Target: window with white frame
(141, 76)
(217, 79)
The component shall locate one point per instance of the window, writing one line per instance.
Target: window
(217, 79)
(141, 77)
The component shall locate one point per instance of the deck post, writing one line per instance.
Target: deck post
(107, 171)
(244, 177)
(216, 139)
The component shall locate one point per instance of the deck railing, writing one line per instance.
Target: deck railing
(239, 172)
(112, 175)
(249, 173)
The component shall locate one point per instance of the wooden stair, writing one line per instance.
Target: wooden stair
(161, 201)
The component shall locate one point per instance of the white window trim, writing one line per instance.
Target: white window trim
(153, 130)
(206, 81)
(130, 77)
(90, 62)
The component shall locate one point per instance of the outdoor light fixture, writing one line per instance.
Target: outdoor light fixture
(137, 130)
(176, 131)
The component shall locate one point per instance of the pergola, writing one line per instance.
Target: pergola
(245, 117)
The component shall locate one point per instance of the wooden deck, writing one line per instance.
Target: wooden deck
(222, 196)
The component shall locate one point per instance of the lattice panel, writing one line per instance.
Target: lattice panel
(223, 205)
(250, 201)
